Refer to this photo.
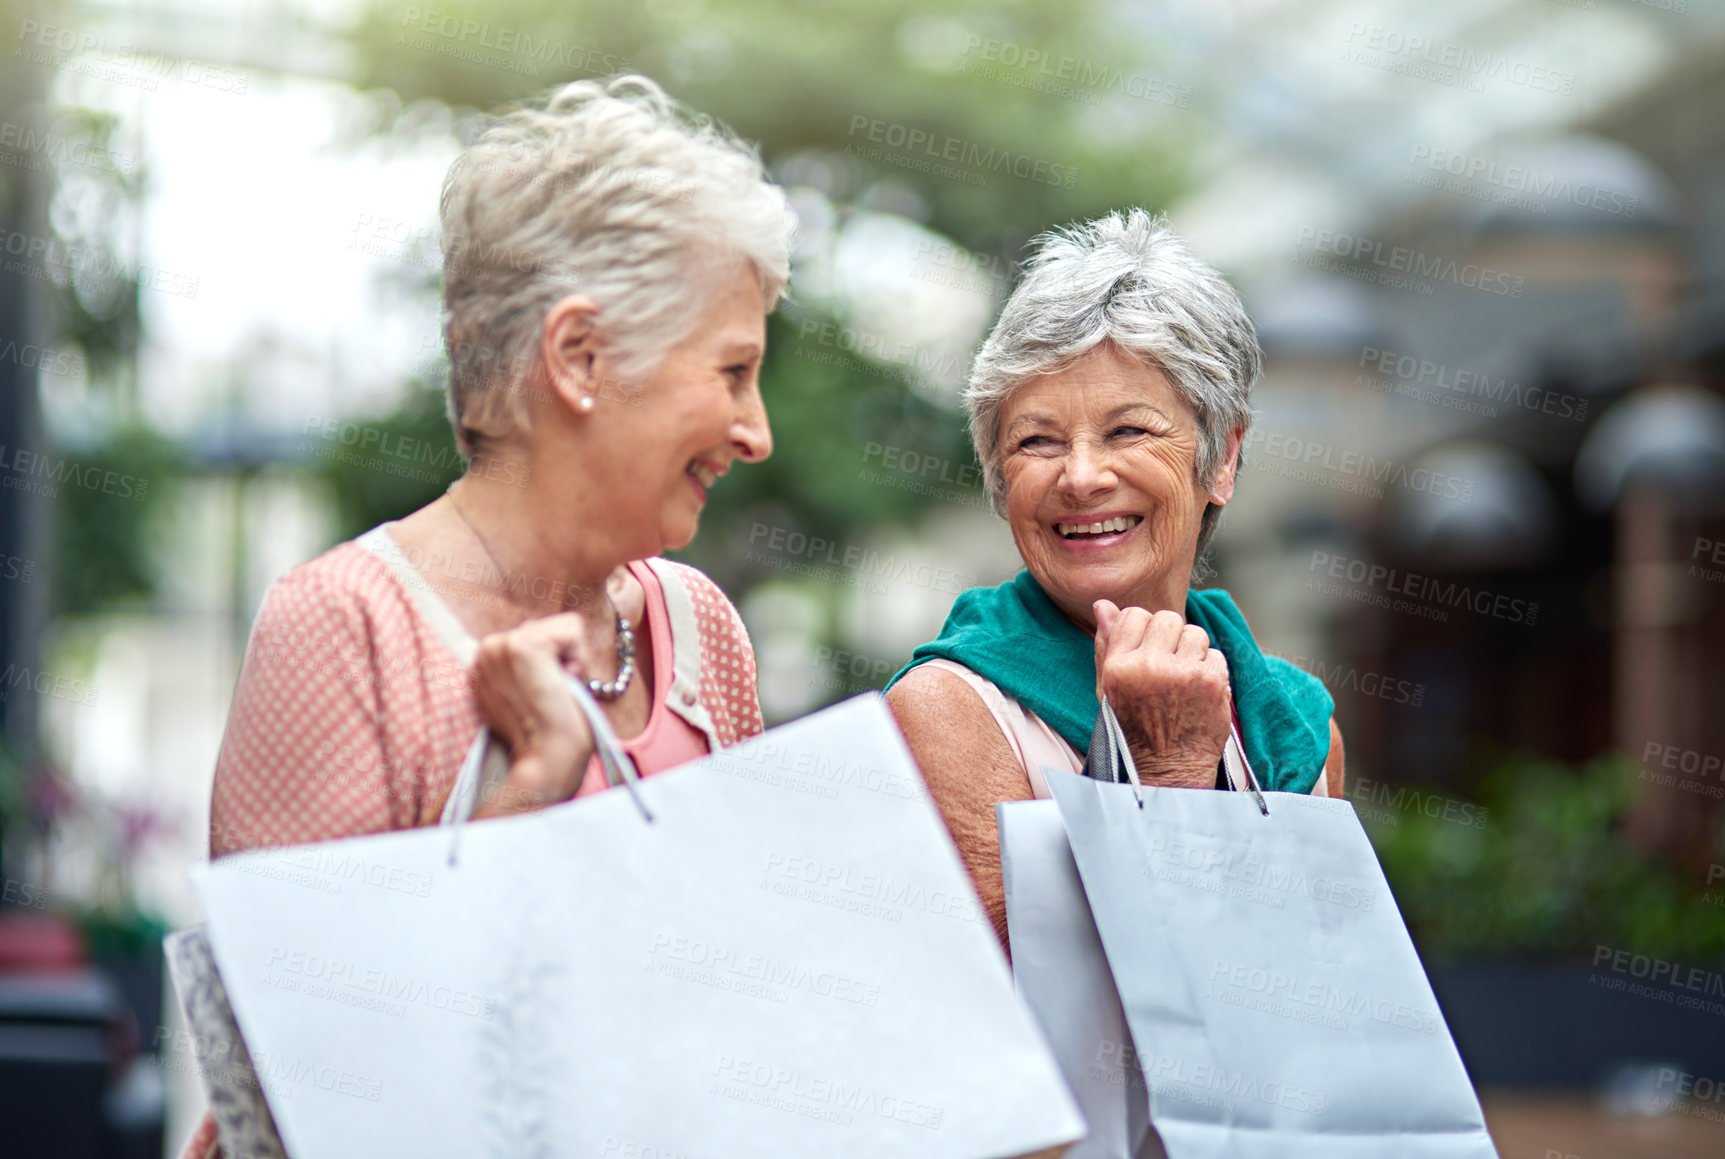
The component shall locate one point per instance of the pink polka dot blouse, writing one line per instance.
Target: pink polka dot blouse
(354, 707)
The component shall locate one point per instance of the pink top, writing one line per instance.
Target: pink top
(354, 709)
(668, 740)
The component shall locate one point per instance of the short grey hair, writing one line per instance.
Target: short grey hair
(610, 189)
(1124, 279)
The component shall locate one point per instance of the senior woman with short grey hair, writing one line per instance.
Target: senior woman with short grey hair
(609, 263)
(1108, 408)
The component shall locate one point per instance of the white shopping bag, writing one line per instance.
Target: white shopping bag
(1277, 1007)
(786, 959)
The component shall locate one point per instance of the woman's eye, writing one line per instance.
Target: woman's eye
(1128, 432)
(1033, 442)
(737, 374)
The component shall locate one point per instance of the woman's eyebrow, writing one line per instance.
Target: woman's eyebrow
(1126, 408)
(1034, 419)
(1037, 418)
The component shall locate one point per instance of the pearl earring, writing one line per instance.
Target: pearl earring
(586, 402)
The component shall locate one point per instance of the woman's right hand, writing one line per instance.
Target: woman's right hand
(1169, 689)
(519, 679)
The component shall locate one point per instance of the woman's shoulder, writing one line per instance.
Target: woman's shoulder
(349, 566)
(946, 690)
(922, 680)
(349, 589)
(926, 679)
(713, 609)
(711, 645)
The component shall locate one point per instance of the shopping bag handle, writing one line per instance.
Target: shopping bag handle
(1110, 757)
(618, 767)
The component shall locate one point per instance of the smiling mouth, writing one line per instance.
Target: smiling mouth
(703, 474)
(1081, 531)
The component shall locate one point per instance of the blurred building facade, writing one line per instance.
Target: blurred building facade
(1490, 469)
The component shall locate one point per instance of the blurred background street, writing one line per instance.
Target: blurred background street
(1483, 500)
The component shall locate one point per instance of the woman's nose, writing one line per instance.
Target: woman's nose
(750, 431)
(1088, 470)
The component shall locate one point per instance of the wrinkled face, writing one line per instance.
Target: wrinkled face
(668, 437)
(1101, 491)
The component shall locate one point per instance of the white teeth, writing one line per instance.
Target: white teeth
(703, 474)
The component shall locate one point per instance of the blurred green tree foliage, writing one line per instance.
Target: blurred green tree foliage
(827, 90)
(363, 495)
(819, 76)
(105, 506)
(1548, 873)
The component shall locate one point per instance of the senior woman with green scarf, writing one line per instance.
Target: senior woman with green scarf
(1108, 407)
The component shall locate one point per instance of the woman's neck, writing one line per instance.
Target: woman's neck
(549, 558)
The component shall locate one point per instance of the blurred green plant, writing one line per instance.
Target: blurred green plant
(824, 413)
(121, 934)
(1549, 874)
(363, 494)
(113, 923)
(1057, 83)
(107, 491)
(94, 210)
(820, 89)
(105, 507)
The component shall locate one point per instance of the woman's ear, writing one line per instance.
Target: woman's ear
(1222, 489)
(569, 348)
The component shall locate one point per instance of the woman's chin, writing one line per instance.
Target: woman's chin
(1078, 595)
(1106, 580)
(680, 533)
(1123, 583)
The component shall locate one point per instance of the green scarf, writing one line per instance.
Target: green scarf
(1015, 636)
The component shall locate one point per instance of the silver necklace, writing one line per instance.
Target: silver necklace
(603, 689)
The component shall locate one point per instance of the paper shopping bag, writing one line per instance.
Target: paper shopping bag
(772, 951)
(1277, 1007)
(1059, 968)
(232, 1079)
